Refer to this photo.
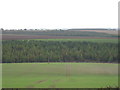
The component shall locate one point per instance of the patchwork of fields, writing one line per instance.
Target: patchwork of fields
(60, 75)
(63, 34)
(57, 59)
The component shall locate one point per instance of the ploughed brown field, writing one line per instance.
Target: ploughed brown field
(11, 36)
(19, 37)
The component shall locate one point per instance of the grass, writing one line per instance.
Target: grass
(91, 40)
(59, 75)
(0, 75)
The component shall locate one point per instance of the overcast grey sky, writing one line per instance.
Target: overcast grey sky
(58, 14)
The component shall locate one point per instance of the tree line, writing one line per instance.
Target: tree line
(20, 51)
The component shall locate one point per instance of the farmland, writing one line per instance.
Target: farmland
(60, 59)
(104, 31)
(20, 35)
(81, 40)
(60, 75)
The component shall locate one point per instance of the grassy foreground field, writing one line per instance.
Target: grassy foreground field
(59, 75)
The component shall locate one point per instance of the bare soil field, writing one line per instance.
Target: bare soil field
(20, 37)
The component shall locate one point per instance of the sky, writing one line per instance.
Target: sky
(58, 14)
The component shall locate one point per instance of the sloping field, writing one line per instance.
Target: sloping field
(103, 31)
(18, 35)
(59, 75)
(21, 37)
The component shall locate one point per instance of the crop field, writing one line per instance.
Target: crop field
(59, 75)
(82, 40)
(82, 34)
(22, 37)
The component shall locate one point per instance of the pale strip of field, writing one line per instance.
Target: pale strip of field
(114, 32)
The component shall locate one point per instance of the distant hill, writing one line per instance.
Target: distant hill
(91, 29)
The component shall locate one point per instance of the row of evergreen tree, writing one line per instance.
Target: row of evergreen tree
(20, 51)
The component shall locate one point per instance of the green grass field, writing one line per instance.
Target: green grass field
(59, 75)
